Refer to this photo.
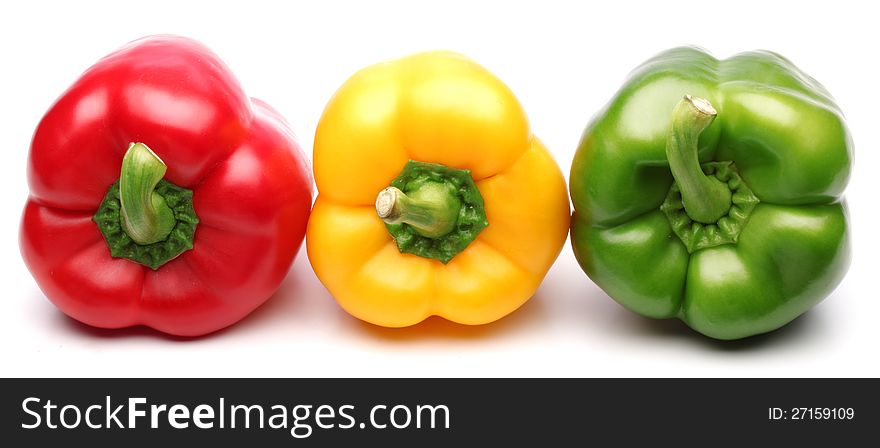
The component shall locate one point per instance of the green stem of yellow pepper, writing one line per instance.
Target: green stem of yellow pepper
(705, 198)
(432, 210)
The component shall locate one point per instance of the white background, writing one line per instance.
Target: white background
(564, 60)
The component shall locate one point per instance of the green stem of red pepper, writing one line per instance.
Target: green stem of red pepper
(705, 198)
(143, 217)
(146, 218)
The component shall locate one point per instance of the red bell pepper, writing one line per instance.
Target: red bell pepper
(188, 254)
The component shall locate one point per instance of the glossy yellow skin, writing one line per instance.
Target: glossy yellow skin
(435, 107)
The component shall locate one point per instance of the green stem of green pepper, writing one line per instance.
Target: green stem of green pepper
(146, 218)
(705, 198)
(432, 210)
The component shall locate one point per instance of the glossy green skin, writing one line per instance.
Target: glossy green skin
(790, 144)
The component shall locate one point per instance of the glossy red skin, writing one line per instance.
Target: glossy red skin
(251, 183)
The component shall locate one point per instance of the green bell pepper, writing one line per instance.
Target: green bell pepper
(711, 190)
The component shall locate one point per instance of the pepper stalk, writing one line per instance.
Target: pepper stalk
(143, 217)
(705, 198)
(146, 218)
(431, 210)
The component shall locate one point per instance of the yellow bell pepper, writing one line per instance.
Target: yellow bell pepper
(475, 209)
